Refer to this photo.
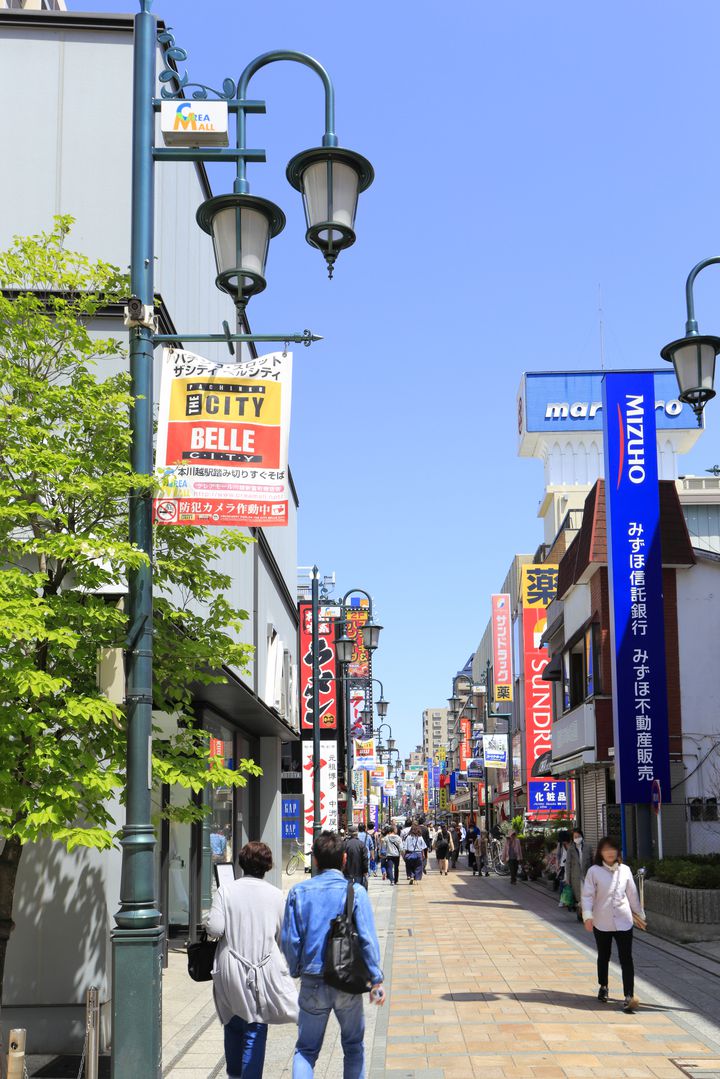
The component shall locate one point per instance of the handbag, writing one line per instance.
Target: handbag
(567, 896)
(638, 922)
(344, 966)
(201, 958)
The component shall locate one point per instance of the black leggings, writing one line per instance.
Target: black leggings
(623, 940)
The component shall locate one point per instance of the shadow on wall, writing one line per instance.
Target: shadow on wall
(60, 946)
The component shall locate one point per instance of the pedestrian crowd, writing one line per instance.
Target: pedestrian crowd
(266, 944)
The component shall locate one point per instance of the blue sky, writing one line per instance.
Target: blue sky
(526, 154)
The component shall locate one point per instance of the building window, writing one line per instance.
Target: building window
(580, 670)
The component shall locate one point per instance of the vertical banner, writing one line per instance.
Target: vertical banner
(632, 503)
(357, 703)
(495, 750)
(502, 648)
(538, 587)
(364, 754)
(355, 619)
(464, 747)
(328, 788)
(426, 792)
(326, 659)
(222, 441)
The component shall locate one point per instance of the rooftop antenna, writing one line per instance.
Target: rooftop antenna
(602, 329)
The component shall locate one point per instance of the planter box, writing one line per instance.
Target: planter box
(683, 914)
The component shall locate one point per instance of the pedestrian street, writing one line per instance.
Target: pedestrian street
(493, 981)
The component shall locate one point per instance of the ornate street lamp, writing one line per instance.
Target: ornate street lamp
(344, 648)
(330, 179)
(241, 227)
(382, 707)
(693, 356)
(454, 703)
(371, 635)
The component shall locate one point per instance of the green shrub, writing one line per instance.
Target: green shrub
(690, 871)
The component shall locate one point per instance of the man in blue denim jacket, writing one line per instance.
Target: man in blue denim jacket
(311, 906)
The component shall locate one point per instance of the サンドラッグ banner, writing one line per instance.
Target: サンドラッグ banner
(502, 648)
(222, 443)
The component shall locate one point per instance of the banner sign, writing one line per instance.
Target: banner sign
(640, 707)
(389, 786)
(328, 787)
(426, 799)
(548, 795)
(326, 660)
(355, 619)
(364, 754)
(222, 441)
(538, 586)
(378, 775)
(502, 648)
(443, 798)
(357, 703)
(494, 751)
(453, 783)
(475, 769)
(464, 747)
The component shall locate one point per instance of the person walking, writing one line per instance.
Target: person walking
(442, 850)
(578, 861)
(394, 854)
(454, 845)
(609, 901)
(425, 833)
(512, 854)
(311, 906)
(368, 838)
(564, 841)
(251, 981)
(356, 861)
(413, 847)
(383, 850)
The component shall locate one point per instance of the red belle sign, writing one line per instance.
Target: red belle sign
(326, 662)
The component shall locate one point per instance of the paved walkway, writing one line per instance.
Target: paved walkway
(494, 981)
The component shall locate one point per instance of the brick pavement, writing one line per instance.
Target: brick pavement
(495, 981)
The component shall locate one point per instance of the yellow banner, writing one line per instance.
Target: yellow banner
(538, 585)
(228, 400)
(443, 798)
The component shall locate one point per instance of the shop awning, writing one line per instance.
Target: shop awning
(236, 703)
(571, 764)
(552, 671)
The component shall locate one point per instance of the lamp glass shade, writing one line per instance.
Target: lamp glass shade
(391, 743)
(330, 179)
(470, 711)
(371, 635)
(454, 703)
(694, 363)
(241, 227)
(382, 707)
(344, 648)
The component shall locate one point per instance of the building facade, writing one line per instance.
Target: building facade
(71, 155)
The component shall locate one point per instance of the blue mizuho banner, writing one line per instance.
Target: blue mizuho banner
(640, 710)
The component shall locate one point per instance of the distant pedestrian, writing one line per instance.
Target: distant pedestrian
(512, 854)
(311, 906)
(394, 854)
(383, 851)
(252, 985)
(425, 833)
(368, 838)
(442, 850)
(564, 840)
(413, 847)
(609, 900)
(356, 861)
(578, 861)
(406, 828)
(454, 845)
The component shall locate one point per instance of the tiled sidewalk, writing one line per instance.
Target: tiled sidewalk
(491, 980)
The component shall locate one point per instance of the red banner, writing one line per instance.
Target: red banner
(355, 619)
(326, 660)
(502, 648)
(539, 585)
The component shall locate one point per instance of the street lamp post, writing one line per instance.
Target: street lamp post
(693, 356)
(330, 179)
(371, 636)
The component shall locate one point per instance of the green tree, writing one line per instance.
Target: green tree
(65, 478)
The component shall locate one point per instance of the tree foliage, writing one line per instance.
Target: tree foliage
(65, 478)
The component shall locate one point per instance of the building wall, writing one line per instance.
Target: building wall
(436, 731)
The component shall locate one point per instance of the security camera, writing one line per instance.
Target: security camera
(139, 314)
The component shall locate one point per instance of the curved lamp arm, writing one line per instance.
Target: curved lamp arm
(691, 326)
(329, 138)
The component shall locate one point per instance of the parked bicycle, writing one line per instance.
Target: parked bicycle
(298, 858)
(495, 857)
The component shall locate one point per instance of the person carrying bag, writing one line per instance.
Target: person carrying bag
(344, 966)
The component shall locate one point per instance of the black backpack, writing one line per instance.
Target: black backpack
(344, 966)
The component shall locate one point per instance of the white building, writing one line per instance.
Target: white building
(70, 153)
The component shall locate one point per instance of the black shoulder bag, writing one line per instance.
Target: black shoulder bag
(344, 966)
(201, 957)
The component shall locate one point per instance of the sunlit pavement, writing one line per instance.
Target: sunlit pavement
(487, 979)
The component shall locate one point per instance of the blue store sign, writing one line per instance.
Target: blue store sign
(640, 710)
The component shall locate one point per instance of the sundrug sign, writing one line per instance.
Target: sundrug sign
(553, 401)
(194, 123)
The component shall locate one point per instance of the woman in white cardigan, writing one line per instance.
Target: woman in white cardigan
(251, 980)
(609, 900)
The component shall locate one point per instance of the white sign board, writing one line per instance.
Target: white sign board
(495, 750)
(194, 123)
(328, 787)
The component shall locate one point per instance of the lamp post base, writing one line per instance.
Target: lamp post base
(137, 1003)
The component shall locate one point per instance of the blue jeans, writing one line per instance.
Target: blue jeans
(316, 1001)
(414, 865)
(245, 1048)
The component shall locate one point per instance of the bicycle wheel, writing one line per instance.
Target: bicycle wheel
(293, 864)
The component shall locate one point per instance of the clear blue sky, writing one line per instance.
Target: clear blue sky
(525, 153)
